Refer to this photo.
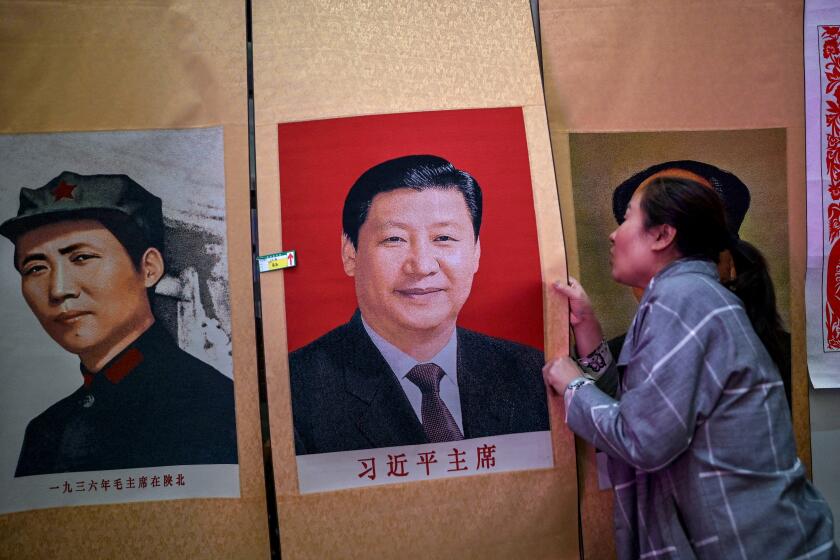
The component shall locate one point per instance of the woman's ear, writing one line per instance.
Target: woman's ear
(664, 237)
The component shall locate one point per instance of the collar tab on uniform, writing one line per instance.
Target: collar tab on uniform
(121, 367)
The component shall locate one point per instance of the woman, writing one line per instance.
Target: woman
(702, 457)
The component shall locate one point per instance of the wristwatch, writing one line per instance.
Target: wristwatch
(577, 383)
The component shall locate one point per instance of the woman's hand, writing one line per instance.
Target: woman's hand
(587, 328)
(580, 306)
(559, 372)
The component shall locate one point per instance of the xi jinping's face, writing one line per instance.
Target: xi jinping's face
(414, 264)
(81, 284)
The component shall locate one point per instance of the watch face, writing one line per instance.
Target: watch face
(576, 383)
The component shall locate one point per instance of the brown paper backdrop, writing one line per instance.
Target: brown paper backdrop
(652, 65)
(333, 59)
(82, 66)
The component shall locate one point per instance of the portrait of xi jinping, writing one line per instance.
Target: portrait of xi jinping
(401, 371)
(89, 250)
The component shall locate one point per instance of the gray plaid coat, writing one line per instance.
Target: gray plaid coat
(702, 456)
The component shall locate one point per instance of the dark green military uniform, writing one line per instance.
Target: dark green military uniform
(153, 405)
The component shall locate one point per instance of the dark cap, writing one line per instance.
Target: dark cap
(735, 194)
(71, 196)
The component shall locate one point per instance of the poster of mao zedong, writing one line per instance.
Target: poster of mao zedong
(414, 316)
(117, 354)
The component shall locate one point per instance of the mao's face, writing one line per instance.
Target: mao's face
(81, 284)
(415, 261)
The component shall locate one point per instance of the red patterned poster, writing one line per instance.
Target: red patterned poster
(822, 60)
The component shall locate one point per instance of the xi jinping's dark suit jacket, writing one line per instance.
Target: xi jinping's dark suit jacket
(345, 396)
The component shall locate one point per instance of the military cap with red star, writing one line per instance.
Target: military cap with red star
(72, 196)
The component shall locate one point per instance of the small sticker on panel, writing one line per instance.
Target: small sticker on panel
(277, 261)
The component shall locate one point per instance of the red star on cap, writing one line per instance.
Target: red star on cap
(63, 190)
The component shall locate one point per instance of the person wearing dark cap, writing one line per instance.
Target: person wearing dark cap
(743, 258)
(89, 249)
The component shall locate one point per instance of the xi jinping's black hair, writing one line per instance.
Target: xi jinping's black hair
(416, 172)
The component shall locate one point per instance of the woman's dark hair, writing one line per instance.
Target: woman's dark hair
(752, 283)
(693, 210)
(696, 213)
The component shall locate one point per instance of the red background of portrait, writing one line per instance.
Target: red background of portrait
(320, 161)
